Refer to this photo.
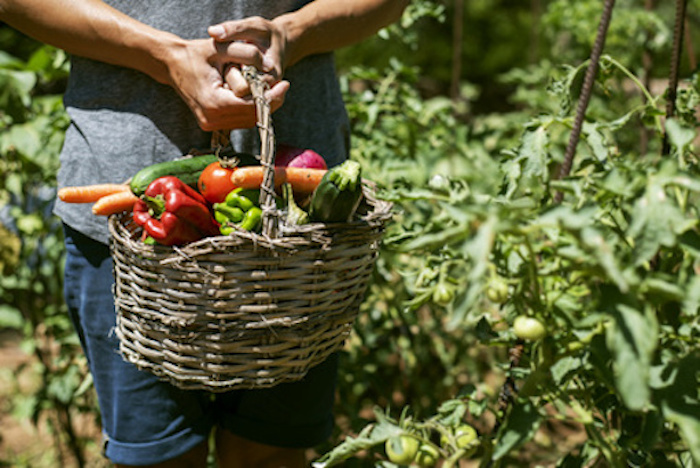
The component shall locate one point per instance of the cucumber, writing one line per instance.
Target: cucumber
(337, 195)
(185, 169)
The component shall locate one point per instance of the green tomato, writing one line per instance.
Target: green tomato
(443, 293)
(497, 291)
(402, 449)
(427, 455)
(528, 328)
(465, 437)
(440, 183)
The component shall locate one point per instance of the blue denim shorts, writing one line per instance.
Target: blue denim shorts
(145, 420)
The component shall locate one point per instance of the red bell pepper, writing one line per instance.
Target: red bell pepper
(173, 213)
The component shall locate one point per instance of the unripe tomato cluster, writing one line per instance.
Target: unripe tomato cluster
(407, 450)
(443, 293)
(497, 290)
(465, 437)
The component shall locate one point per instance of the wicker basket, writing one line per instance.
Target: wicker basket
(245, 310)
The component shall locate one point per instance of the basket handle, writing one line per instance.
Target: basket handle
(267, 149)
(220, 139)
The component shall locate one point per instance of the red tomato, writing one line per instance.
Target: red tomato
(215, 182)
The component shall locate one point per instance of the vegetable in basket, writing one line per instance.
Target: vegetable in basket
(107, 198)
(240, 209)
(295, 215)
(188, 170)
(291, 156)
(303, 180)
(173, 213)
(336, 197)
(214, 182)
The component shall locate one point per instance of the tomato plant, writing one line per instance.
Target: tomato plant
(609, 272)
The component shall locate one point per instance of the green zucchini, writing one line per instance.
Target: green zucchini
(337, 195)
(185, 169)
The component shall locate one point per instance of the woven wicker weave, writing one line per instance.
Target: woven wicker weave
(245, 310)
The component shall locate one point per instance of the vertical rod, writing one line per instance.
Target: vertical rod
(675, 65)
(457, 48)
(586, 92)
(647, 64)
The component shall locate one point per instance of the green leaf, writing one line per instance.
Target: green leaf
(681, 401)
(8, 61)
(534, 151)
(435, 240)
(478, 250)
(15, 91)
(520, 426)
(564, 367)
(451, 412)
(595, 140)
(23, 138)
(663, 289)
(656, 221)
(62, 387)
(605, 254)
(10, 317)
(632, 340)
(691, 303)
(30, 224)
(679, 136)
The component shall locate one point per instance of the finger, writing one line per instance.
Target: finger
(235, 112)
(236, 82)
(241, 53)
(276, 95)
(254, 29)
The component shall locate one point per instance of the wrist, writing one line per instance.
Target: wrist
(294, 28)
(159, 51)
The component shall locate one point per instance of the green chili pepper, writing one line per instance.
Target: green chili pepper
(224, 213)
(251, 220)
(239, 209)
(243, 199)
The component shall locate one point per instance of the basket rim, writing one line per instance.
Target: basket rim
(288, 238)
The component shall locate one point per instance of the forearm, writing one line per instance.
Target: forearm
(327, 25)
(93, 29)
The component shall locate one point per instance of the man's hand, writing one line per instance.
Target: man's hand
(251, 41)
(208, 78)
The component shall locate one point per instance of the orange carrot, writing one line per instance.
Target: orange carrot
(114, 203)
(303, 180)
(89, 193)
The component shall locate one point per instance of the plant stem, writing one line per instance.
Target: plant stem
(647, 95)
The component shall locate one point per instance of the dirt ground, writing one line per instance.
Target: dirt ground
(22, 443)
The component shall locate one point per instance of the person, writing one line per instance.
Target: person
(149, 82)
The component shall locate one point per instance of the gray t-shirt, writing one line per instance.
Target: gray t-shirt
(122, 120)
